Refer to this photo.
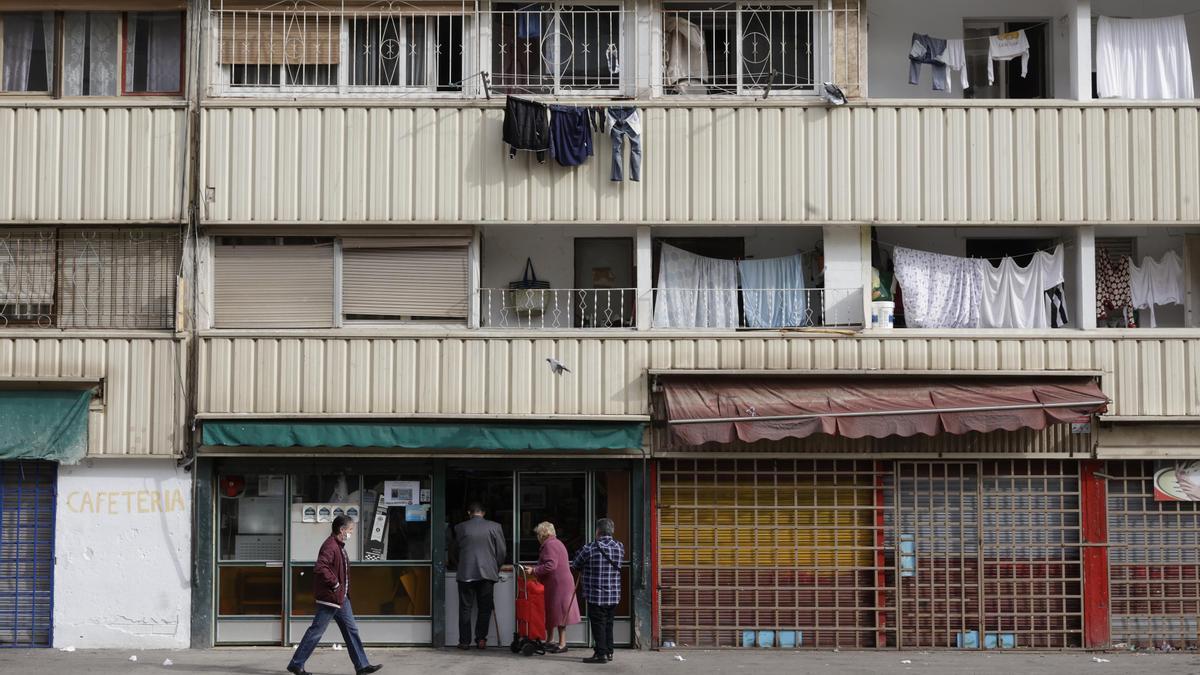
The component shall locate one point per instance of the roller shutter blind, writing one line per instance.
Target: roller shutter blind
(289, 286)
(27, 502)
(259, 36)
(420, 281)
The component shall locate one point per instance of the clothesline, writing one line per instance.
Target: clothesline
(1051, 249)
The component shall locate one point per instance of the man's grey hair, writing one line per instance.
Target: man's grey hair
(605, 527)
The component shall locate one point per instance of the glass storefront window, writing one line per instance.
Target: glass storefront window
(316, 500)
(251, 516)
(375, 590)
(560, 499)
(406, 528)
(611, 500)
(493, 489)
(249, 591)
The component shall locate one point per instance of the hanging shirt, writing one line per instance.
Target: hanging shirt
(1015, 296)
(1112, 285)
(1156, 282)
(1058, 307)
(1006, 47)
(773, 293)
(955, 58)
(940, 291)
(1146, 59)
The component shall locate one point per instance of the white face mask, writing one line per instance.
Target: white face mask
(346, 537)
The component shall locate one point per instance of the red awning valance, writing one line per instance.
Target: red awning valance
(705, 409)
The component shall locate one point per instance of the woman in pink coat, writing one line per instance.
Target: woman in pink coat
(554, 571)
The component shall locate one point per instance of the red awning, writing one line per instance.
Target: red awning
(706, 409)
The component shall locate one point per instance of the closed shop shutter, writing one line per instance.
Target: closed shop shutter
(277, 36)
(783, 550)
(419, 279)
(1154, 561)
(27, 503)
(265, 286)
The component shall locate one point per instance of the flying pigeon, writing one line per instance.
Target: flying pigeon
(557, 366)
(833, 94)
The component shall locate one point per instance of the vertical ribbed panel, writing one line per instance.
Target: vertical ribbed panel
(746, 164)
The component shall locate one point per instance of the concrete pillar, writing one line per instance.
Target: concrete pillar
(1079, 19)
(1084, 298)
(847, 273)
(644, 260)
(473, 280)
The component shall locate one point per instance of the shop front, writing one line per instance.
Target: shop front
(266, 516)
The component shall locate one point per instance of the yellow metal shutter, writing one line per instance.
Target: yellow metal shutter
(273, 286)
(423, 281)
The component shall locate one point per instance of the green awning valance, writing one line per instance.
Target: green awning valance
(424, 435)
(44, 424)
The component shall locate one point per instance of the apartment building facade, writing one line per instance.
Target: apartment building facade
(371, 288)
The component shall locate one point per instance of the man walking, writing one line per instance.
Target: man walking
(480, 553)
(599, 563)
(331, 589)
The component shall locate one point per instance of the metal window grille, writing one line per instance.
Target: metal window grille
(785, 547)
(88, 278)
(27, 502)
(1154, 561)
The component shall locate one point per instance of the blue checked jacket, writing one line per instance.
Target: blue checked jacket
(601, 579)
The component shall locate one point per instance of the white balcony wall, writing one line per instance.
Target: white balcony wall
(893, 22)
(978, 163)
(64, 162)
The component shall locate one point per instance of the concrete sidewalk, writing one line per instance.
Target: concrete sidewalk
(501, 662)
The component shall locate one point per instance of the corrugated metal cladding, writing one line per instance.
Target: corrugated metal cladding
(91, 163)
(746, 164)
(508, 375)
(140, 411)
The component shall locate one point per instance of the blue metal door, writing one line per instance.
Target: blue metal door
(27, 501)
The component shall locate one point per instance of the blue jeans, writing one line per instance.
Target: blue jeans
(621, 129)
(344, 616)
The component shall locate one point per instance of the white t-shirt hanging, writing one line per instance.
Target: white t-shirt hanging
(1006, 47)
(1157, 282)
(1015, 297)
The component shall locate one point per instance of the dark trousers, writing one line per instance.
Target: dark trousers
(470, 594)
(601, 618)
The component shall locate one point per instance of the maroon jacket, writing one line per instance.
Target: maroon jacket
(331, 578)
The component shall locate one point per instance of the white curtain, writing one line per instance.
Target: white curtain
(90, 54)
(1146, 59)
(694, 291)
(773, 294)
(162, 32)
(20, 36)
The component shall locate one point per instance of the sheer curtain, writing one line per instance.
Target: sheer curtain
(695, 292)
(153, 51)
(22, 43)
(90, 54)
(773, 292)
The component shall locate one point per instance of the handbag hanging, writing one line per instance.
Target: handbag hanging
(528, 294)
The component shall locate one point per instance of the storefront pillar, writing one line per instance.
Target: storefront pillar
(639, 547)
(437, 518)
(202, 554)
(1094, 504)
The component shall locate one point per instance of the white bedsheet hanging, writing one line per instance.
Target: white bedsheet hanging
(694, 291)
(1145, 59)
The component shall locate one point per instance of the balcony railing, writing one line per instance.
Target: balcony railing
(540, 48)
(552, 308)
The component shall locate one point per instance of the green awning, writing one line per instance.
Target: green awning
(424, 435)
(44, 424)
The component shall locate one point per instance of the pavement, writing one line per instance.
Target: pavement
(271, 661)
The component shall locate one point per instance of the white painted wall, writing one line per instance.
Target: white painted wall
(1144, 9)
(891, 24)
(122, 576)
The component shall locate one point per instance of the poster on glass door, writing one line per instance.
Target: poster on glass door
(1178, 482)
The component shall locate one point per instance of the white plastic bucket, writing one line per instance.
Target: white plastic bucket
(883, 315)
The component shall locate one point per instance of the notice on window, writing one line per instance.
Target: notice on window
(373, 548)
(416, 513)
(1178, 483)
(270, 486)
(401, 492)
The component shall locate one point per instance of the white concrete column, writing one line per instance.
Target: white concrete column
(1084, 298)
(644, 260)
(473, 280)
(1079, 18)
(847, 267)
(202, 285)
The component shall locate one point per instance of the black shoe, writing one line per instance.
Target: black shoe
(608, 656)
(370, 669)
(464, 645)
(297, 671)
(596, 658)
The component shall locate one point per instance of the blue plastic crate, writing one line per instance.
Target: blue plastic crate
(968, 640)
(766, 639)
(790, 639)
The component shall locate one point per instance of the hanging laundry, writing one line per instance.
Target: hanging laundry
(1113, 295)
(526, 127)
(1147, 59)
(940, 291)
(1006, 47)
(1015, 297)
(1058, 306)
(612, 55)
(1156, 282)
(694, 291)
(928, 50)
(684, 48)
(955, 58)
(773, 292)
(570, 135)
(625, 123)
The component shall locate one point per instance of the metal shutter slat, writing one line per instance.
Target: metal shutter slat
(273, 286)
(405, 282)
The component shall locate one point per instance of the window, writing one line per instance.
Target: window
(88, 279)
(738, 47)
(1008, 82)
(153, 53)
(269, 48)
(550, 48)
(28, 51)
(290, 282)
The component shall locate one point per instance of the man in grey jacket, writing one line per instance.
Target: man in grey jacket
(480, 549)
